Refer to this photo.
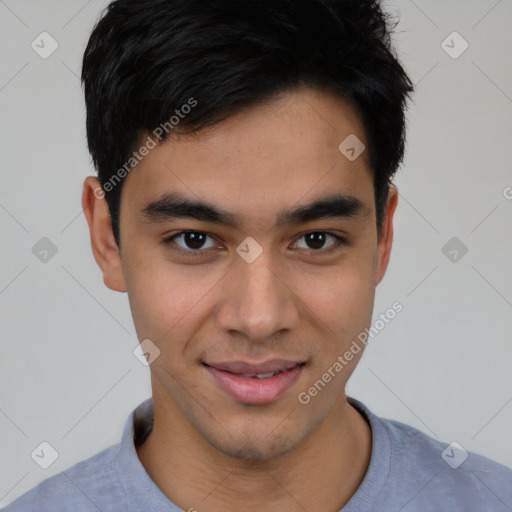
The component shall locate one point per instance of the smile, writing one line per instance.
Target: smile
(255, 384)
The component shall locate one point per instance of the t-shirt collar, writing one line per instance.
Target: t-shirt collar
(146, 495)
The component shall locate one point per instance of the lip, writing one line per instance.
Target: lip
(241, 367)
(252, 390)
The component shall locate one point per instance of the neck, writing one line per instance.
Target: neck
(321, 474)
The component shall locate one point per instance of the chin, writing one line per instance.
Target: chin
(257, 449)
(255, 443)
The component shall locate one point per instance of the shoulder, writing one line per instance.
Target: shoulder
(90, 485)
(444, 473)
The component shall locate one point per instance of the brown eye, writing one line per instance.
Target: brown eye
(316, 241)
(192, 241)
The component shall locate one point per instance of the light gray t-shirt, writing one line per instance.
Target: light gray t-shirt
(408, 472)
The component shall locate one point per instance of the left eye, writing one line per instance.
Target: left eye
(317, 239)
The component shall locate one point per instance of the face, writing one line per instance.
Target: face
(249, 248)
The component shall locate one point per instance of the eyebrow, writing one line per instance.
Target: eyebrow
(174, 206)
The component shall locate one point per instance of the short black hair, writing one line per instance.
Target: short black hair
(148, 59)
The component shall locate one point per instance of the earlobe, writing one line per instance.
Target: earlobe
(104, 247)
(386, 237)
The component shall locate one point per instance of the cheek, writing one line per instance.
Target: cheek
(157, 299)
(342, 297)
(164, 298)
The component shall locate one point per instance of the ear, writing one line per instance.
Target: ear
(386, 236)
(103, 244)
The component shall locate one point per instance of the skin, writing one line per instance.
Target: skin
(208, 451)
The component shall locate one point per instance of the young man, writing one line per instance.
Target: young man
(245, 151)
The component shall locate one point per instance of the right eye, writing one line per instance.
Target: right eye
(190, 243)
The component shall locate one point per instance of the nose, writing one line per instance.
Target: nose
(258, 302)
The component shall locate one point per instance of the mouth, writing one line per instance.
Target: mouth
(255, 383)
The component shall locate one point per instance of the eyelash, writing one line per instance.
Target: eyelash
(340, 241)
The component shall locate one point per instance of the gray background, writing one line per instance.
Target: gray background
(68, 373)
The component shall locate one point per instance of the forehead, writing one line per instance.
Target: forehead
(261, 160)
